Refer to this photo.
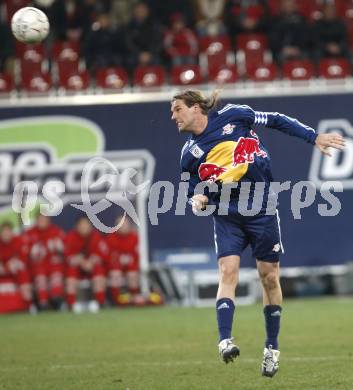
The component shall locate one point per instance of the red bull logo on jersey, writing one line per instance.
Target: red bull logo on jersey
(210, 172)
(246, 149)
(228, 161)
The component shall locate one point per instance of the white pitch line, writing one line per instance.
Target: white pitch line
(179, 363)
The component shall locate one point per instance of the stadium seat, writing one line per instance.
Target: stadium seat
(345, 10)
(66, 56)
(298, 70)
(335, 68)
(75, 81)
(35, 53)
(186, 75)
(11, 6)
(224, 74)
(265, 72)
(111, 79)
(214, 51)
(66, 51)
(254, 47)
(6, 83)
(149, 76)
(37, 83)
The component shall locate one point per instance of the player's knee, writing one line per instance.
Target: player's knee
(71, 285)
(228, 273)
(270, 280)
(115, 279)
(41, 282)
(99, 283)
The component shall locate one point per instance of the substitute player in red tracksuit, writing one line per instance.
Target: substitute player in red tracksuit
(13, 264)
(84, 256)
(123, 261)
(45, 245)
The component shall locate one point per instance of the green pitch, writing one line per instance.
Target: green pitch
(176, 348)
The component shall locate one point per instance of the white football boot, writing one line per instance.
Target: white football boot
(270, 362)
(93, 307)
(78, 308)
(228, 351)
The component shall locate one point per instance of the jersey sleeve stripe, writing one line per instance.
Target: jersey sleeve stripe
(260, 118)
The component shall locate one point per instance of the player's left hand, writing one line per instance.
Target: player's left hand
(329, 140)
(199, 203)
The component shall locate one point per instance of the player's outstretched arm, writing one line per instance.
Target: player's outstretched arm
(329, 140)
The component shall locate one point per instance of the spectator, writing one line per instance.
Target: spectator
(209, 16)
(13, 262)
(45, 247)
(246, 16)
(7, 49)
(123, 263)
(143, 38)
(103, 46)
(122, 12)
(85, 251)
(163, 10)
(330, 35)
(289, 35)
(69, 19)
(180, 43)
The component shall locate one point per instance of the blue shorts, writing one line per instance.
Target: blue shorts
(262, 232)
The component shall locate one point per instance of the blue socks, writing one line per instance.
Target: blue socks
(225, 311)
(272, 320)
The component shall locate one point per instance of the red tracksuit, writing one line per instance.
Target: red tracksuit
(123, 249)
(14, 251)
(91, 246)
(45, 253)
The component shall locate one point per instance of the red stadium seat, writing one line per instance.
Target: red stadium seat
(35, 53)
(75, 81)
(66, 51)
(335, 68)
(214, 50)
(225, 74)
(345, 10)
(37, 83)
(66, 55)
(149, 76)
(11, 6)
(254, 47)
(298, 70)
(6, 83)
(111, 78)
(186, 75)
(265, 72)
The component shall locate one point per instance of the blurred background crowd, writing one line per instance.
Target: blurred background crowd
(44, 267)
(114, 43)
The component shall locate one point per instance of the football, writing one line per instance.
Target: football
(30, 25)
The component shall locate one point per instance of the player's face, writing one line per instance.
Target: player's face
(84, 227)
(183, 115)
(6, 234)
(43, 222)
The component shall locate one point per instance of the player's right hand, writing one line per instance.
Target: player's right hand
(333, 140)
(199, 203)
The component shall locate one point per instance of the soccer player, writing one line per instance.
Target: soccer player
(13, 262)
(223, 151)
(85, 250)
(123, 263)
(45, 245)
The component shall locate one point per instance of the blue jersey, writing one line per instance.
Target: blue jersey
(229, 151)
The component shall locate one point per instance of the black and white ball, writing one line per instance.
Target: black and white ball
(30, 25)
